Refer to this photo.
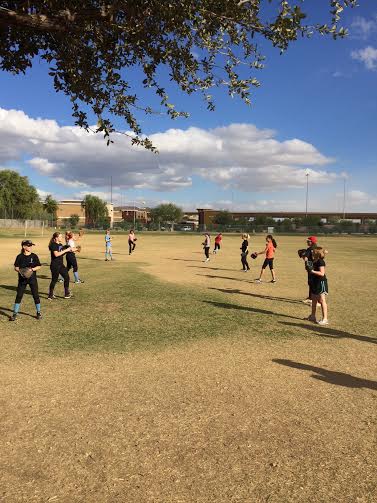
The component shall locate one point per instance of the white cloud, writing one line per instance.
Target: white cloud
(239, 156)
(363, 28)
(368, 56)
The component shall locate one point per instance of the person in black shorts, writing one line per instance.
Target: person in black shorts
(318, 284)
(312, 243)
(30, 261)
(58, 250)
(244, 252)
(71, 256)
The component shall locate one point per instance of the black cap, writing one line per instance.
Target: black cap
(27, 242)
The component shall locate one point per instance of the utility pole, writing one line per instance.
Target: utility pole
(111, 189)
(307, 195)
(344, 198)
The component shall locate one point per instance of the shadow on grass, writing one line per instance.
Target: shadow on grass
(212, 268)
(223, 305)
(332, 333)
(27, 292)
(186, 260)
(249, 294)
(2, 313)
(213, 276)
(329, 376)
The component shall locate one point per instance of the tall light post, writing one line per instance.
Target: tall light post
(344, 198)
(307, 194)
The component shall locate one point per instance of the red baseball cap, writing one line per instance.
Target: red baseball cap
(313, 239)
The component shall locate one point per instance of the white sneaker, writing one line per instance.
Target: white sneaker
(307, 301)
(258, 281)
(323, 322)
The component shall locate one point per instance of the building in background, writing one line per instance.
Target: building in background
(134, 214)
(70, 207)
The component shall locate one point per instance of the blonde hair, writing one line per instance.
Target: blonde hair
(318, 253)
(245, 236)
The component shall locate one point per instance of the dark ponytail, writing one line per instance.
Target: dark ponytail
(271, 238)
(54, 236)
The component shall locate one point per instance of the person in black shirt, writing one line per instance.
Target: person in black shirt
(312, 243)
(57, 250)
(318, 284)
(27, 260)
(244, 252)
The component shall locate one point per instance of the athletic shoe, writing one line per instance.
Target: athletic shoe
(51, 298)
(307, 301)
(258, 281)
(323, 322)
(106, 259)
(39, 316)
(246, 270)
(60, 280)
(79, 281)
(69, 296)
(311, 318)
(13, 317)
(273, 281)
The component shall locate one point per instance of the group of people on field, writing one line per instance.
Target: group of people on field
(27, 264)
(313, 257)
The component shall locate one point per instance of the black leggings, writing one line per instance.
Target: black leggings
(131, 246)
(57, 269)
(217, 246)
(71, 262)
(206, 251)
(245, 265)
(22, 284)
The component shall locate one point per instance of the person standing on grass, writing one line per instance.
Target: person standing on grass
(318, 284)
(206, 246)
(218, 240)
(108, 247)
(71, 256)
(244, 252)
(58, 250)
(271, 246)
(312, 243)
(28, 261)
(131, 241)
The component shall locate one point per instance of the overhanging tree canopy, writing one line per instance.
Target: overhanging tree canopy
(91, 44)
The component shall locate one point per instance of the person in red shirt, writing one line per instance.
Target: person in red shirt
(271, 246)
(218, 240)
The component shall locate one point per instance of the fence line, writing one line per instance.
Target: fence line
(9, 223)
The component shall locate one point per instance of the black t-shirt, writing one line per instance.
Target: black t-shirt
(245, 244)
(30, 261)
(314, 278)
(53, 248)
(309, 252)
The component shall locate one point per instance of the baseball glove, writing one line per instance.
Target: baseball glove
(254, 255)
(78, 248)
(309, 266)
(26, 272)
(301, 253)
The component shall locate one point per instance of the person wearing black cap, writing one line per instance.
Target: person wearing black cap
(312, 243)
(57, 250)
(26, 265)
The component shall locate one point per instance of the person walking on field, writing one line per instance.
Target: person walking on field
(244, 252)
(108, 247)
(71, 256)
(206, 246)
(271, 246)
(26, 265)
(58, 250)
(318, 284)
(218, 240)
(131, 241)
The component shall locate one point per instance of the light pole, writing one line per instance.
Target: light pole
(307, 194)
(344, 198)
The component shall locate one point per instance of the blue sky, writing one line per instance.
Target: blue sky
(315, 110)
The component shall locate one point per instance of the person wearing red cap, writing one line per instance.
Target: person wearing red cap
(312, 243)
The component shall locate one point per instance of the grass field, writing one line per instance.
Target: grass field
(166, 379)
